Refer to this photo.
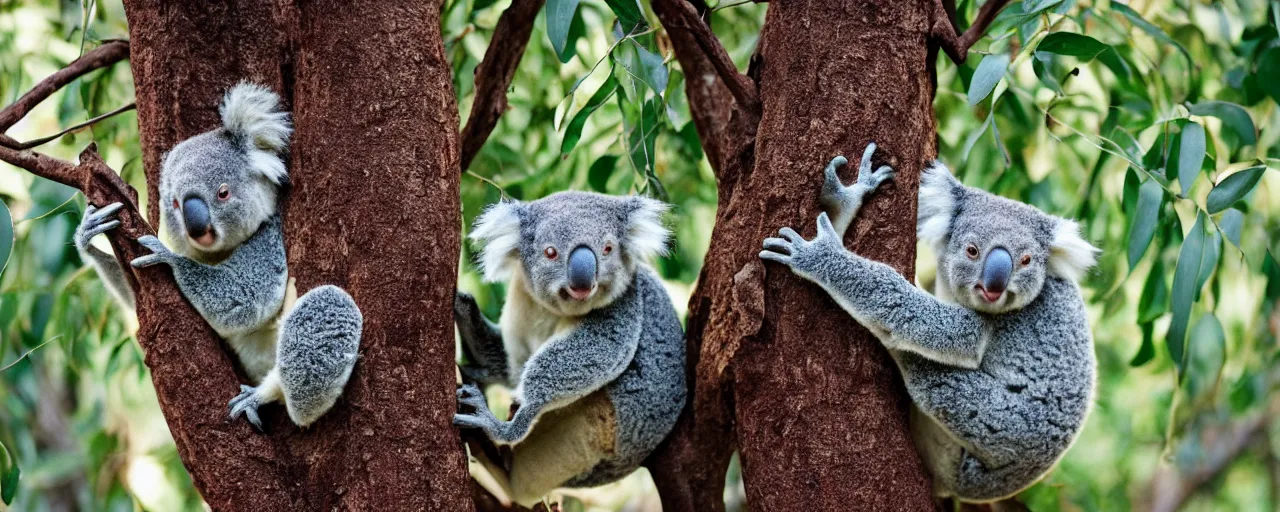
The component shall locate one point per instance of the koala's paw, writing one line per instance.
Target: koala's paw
(247, 403)
(96, 222)
(482, 418)
(803, 256)
(871, 180)
(159, 253)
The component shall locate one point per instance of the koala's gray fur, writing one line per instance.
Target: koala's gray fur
(224, 239)
(598, 379)
(1001, 386)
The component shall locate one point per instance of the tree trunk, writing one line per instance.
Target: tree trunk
(373, 209)
(816, 406)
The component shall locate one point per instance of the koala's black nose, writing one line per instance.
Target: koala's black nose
(582, 269)
(996, 270)
(195, 216)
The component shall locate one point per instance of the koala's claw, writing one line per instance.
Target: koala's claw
(159, 253)
(472, 395)
(247, 403)
(96, 222)
(791, 245)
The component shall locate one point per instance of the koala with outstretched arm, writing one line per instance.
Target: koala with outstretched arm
(999, 363)
(588, 340)
(224, 240)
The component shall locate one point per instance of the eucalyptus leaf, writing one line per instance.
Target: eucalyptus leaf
(600, 171)
(6, 236)
(1233, 116)
(1233, 188)
(559, 20)
(988, 74)
(573, 132)
(1232, 224)
(1146, 217)
(630, 15)
(1206, 355)
(1194, 260)
(1154, 300)
(1268, 73)
(1151, 30)
(1147, 350)
(1069, 43)
(9, 475)
(1190, 155)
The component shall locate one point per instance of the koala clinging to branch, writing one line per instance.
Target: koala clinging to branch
(224, 239)
(588, 340)
(999, 363)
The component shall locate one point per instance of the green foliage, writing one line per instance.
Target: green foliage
(1089, 110)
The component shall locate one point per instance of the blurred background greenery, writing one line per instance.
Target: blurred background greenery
(1153, 123)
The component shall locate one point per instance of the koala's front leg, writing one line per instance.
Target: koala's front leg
(842, 202)
(902, 316)
(564, 370)
(96, 222)
(238, 295)
(481, 342)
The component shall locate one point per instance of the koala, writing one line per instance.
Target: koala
(588, 340)
(999, 363)
(224, 239)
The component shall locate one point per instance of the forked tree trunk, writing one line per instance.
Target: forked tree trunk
(815, 404)
(373, 209)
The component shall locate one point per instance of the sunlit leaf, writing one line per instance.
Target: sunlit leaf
(1035, 6)
(645, 65)
(1233, 188)
(1045, 74)
(1197, 258)
(1146, 216)
(573, 132)
(1233, 116)
(988, 74)
(1152, 30)
(1190, 155)
(559, 19)
(1069, 43)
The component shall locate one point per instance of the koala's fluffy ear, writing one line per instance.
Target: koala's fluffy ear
(249, 112)
(498, 229)
(937, 204)
(1070, 256)
(645, 238)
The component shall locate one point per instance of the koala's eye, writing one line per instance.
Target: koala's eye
(608, 248)
(224, 192)
(1026, 259)
(972, 251)
(550, 252)
(175, 203)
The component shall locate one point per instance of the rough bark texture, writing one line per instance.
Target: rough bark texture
(374, 209)
(817, 408)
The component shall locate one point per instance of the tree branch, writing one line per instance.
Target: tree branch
(43, 140)
(681, 16)
(110, 52)
(1173, 484)
(946, 27)
(47, 167)
(495, 72)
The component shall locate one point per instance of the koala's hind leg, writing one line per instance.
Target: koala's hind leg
(842, 202)
(565, 443)
(481, 342)
(319, 339)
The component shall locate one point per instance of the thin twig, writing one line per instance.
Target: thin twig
(27, 353)
(945, 26)
(110, 52)
(43, 140)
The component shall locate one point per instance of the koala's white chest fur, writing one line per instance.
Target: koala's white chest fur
(527, 326)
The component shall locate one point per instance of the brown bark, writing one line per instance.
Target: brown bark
(815, 405)
(374, 210)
